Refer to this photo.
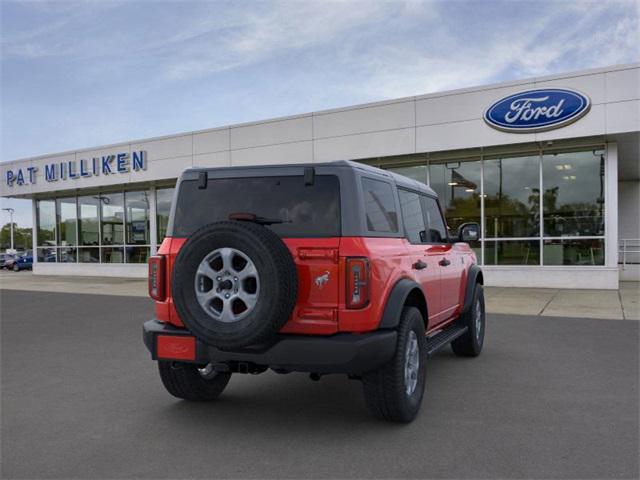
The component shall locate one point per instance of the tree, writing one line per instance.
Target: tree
(21, 237)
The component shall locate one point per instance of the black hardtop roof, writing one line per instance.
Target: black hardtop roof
(400, 180)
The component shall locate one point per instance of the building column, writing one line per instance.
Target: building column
(611, 205)
(34, 230)
(153, 220)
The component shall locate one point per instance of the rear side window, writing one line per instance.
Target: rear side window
(380, 206)
(412, 216)
(305, 210)
(436, 230)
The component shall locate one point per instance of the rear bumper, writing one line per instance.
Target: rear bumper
(339, 353)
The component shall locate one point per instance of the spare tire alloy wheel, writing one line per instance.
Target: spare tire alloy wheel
(234, 284)
(227, 285)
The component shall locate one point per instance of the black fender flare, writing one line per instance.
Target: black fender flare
(397, 300)
(474, 276)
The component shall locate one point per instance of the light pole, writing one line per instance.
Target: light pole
(11, 211)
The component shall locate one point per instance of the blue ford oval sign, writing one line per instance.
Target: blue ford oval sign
(537, 110)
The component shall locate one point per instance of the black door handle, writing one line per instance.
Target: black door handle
(419, 265)
(444, 262)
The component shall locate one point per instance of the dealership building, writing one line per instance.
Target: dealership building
(549, 166)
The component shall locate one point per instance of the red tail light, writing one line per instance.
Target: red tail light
(357, 282)
(156, 277)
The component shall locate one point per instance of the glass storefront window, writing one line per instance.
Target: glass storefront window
(574, 251)
(512, 252)
(112, 255)
(137, 254)
(89, 255)
(163, 208)
(112, 218)
(417, 172)
(512, 197)
(67, 255)
(46, 218)
(137, 218)
(458, 187)
(88, 226)
(573, 198)
(67, 213)
(46, 255)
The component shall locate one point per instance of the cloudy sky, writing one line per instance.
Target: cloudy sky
(80, 74)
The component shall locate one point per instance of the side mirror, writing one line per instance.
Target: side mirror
(468, 232)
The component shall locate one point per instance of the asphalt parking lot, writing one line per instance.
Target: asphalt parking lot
(548, 398)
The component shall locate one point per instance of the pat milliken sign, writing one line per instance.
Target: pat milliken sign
(537, 110)
(105, 165)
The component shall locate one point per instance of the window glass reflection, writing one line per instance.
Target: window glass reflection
(46, 255)
(573, 199)
(137, 217)
(412, 216)
(163, 208)
(512, 197)
(89, 255)
(512, 252)
(416, 172)
(112, 255)
(112, 206)
(67, 212)
(574, 252)
(137, 254)
(67, 255)
(458, 187)
(46, 218)
(379, 204)
(88, 220)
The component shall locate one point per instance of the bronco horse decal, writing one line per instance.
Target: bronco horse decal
(322, 279)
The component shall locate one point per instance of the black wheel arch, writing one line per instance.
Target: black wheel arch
(474, 276)
(405, 293)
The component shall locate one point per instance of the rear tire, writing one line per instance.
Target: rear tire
(470, 344)
(387, 391)
(16, 268)
(184, 380)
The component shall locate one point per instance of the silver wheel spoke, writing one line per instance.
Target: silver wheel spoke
(411, 363)
(226, 285)
(248, 298)
(226, 254)
(206, 270)
(249, 271)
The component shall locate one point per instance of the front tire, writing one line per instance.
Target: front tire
(394, 392)
(16, 268)
(470, 344)
(186, 381)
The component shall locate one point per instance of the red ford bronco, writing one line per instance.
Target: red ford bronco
(324, 268)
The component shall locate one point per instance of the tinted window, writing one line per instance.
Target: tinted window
(412, 216)
(306, 210)
(436, 230)
(380, 207)
(163, 208)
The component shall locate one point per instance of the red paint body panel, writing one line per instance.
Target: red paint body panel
(175, 347)
(321, 265)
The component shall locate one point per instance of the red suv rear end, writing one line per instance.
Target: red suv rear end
(306, 268)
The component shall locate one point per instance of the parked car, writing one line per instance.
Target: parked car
(7, 262)
(324, 268)
(23, 262)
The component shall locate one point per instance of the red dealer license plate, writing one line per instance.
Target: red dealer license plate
(176, 348)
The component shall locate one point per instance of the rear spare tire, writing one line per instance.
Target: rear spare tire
(234, 284)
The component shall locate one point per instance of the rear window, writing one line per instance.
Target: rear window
(306, 210)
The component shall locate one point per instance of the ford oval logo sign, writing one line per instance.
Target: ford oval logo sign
(537, 110)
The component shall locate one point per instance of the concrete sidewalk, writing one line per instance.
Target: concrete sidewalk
(623, 304)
